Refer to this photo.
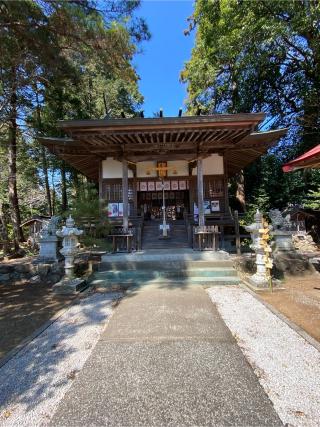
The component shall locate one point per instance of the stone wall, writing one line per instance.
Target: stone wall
(29, 270)
(284, 264)
(25, 271)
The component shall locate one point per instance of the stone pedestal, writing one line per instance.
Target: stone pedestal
(282, 241)
(70, 286)
(49, 241)
(48, 249)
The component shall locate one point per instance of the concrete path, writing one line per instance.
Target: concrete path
(166, 358)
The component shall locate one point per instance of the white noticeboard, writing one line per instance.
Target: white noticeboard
(215, 206)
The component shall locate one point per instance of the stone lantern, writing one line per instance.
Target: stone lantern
(254, 228)
(260, 278)
(70, 243)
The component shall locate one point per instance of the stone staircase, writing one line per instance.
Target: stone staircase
(177, 236)
(165, 268)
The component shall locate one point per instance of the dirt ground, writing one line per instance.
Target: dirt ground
(299, 302)
(23, 309)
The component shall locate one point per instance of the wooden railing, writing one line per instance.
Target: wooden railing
(205, 237)
(226, 228)
(126, 240)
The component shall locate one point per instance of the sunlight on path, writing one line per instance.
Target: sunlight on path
(36, 379)
(288, 367)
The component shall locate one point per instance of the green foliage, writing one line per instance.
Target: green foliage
(261, 56)
(61, 60)
(312, 200)
(89, 212)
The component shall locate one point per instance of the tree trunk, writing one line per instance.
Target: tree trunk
(53, 201)
(4, 230)
(76, 183)
(53, 196)
(64, 201)
(240, 192)
(46, 179)
(12, 163)
(44, 158)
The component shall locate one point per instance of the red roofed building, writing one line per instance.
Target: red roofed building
(310, 159)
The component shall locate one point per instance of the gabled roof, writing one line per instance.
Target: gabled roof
(163, 138)
(310, 159)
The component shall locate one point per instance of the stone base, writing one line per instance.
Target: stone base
(259, 282)
(276, 285)
(291, 264)
(68, 286)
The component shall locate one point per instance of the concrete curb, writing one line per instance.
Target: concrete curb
(282, 317)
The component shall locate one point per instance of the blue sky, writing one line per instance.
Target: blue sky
(163, 57)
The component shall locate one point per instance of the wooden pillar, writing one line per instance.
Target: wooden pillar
(200, 192)
(237, 232)
(100, 181)
(225, 184)
(135, 195)
(125, 222)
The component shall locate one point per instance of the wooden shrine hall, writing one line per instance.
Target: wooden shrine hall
(165, 171)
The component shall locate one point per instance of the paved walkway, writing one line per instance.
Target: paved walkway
(166, 358)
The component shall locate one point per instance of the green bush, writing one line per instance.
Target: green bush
(90, 215)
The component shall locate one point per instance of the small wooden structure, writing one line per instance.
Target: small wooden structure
(35, 225)
(191, 156)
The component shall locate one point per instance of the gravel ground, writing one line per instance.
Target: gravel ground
(288, 367)
(36, 379)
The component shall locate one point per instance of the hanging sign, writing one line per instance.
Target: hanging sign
(143, 186)
(182, 185)
(167, 185)
(151, 186)
(158, 185)
(174, 185)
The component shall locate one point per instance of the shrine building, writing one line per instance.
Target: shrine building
(183, 163)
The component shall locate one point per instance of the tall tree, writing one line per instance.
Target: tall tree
(46, 47)
(259, 56)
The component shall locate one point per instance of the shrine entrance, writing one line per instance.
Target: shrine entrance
(176, 202)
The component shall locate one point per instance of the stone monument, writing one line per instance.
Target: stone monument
(49, 241)
(281, 231)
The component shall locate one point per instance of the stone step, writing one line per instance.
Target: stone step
(170, 274)
(178, 237)
(165, 264)
(194, 281)
(164, 245)
(176, 255)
